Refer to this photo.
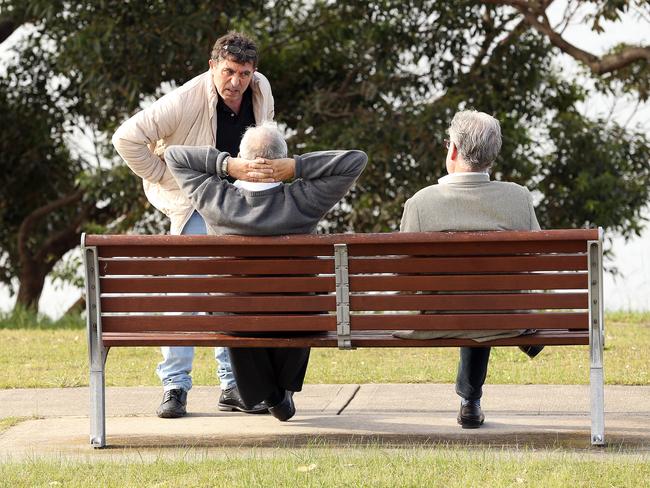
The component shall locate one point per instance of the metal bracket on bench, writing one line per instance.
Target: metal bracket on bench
(342, 296)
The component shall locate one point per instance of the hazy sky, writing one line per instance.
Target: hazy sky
(631, 290)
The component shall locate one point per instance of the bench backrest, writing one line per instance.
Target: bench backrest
(346, 283)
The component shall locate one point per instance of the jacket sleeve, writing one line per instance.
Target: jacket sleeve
(134, 139)
(410, 218)
(324, 177)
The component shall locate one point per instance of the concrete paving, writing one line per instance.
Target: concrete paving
(54, 422)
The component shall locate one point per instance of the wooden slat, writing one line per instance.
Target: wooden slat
(506, 301)
(471, 321)
(458, 265)
(222, 285)
(299, 303)
(538, 281)
(257, 323)
(213, 251)
(477, 248)
(214, 266)
(366, 339)
(414, 237)
(204, 323)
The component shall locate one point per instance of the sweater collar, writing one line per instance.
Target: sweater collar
(464, 178)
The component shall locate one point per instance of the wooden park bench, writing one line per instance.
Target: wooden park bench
(345, 291)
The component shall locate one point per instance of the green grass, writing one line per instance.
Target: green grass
(312, 467)
(51, 356)
(21, 318)
(8, 422)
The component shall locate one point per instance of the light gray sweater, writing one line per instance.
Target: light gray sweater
(321, 180)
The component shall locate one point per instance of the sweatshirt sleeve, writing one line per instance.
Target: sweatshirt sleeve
(197, 171)
(135, 137)
(326, 176)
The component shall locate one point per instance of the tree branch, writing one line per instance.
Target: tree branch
(535, 15)
(30, 221)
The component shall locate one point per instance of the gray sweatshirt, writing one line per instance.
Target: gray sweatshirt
(321, 180)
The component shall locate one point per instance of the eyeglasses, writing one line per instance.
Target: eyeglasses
(251, 53)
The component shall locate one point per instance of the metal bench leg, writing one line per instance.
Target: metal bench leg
(97, 400)
(596, 343)
(97, 351)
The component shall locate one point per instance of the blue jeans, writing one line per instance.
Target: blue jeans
(176, 366)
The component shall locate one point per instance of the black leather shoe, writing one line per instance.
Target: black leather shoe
(470, 415)
(284, 410)
(531, 351)
(173, 404)
(230, 401)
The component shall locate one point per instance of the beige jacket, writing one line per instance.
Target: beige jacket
(465, 202)
(185, 116)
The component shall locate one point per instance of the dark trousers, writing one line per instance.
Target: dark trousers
(472, 370)
(262, 371)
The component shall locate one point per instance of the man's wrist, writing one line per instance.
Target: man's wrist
(224, 166)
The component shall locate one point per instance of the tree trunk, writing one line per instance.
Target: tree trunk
(31, 287)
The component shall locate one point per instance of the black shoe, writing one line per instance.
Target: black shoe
(470, 415)
(231, 401)
(531, 351)
(173, 404)
(284, 410)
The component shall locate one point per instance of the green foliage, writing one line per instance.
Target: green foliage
(383, 76)
(593, 167)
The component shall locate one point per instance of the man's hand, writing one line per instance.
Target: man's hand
(283, 169)
(250, 170)
(262, 170)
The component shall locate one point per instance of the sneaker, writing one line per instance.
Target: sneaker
(173, 404)
(231, 401)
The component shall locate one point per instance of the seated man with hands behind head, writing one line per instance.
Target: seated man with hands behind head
(265, 208)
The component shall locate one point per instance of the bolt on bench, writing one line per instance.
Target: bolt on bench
(345, 291)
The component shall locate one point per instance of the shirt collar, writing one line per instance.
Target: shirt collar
(255, 186)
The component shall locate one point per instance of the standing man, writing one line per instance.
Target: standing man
(467, 200)
(212, 109)
(269, 375)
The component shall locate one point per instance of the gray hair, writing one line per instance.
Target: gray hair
(477, 137)
(263, 141)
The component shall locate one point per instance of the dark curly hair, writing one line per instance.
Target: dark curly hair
(245, 49)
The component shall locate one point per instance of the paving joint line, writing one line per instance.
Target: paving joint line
(356, 390)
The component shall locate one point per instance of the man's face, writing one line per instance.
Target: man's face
(449, 162)
(231, 79)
